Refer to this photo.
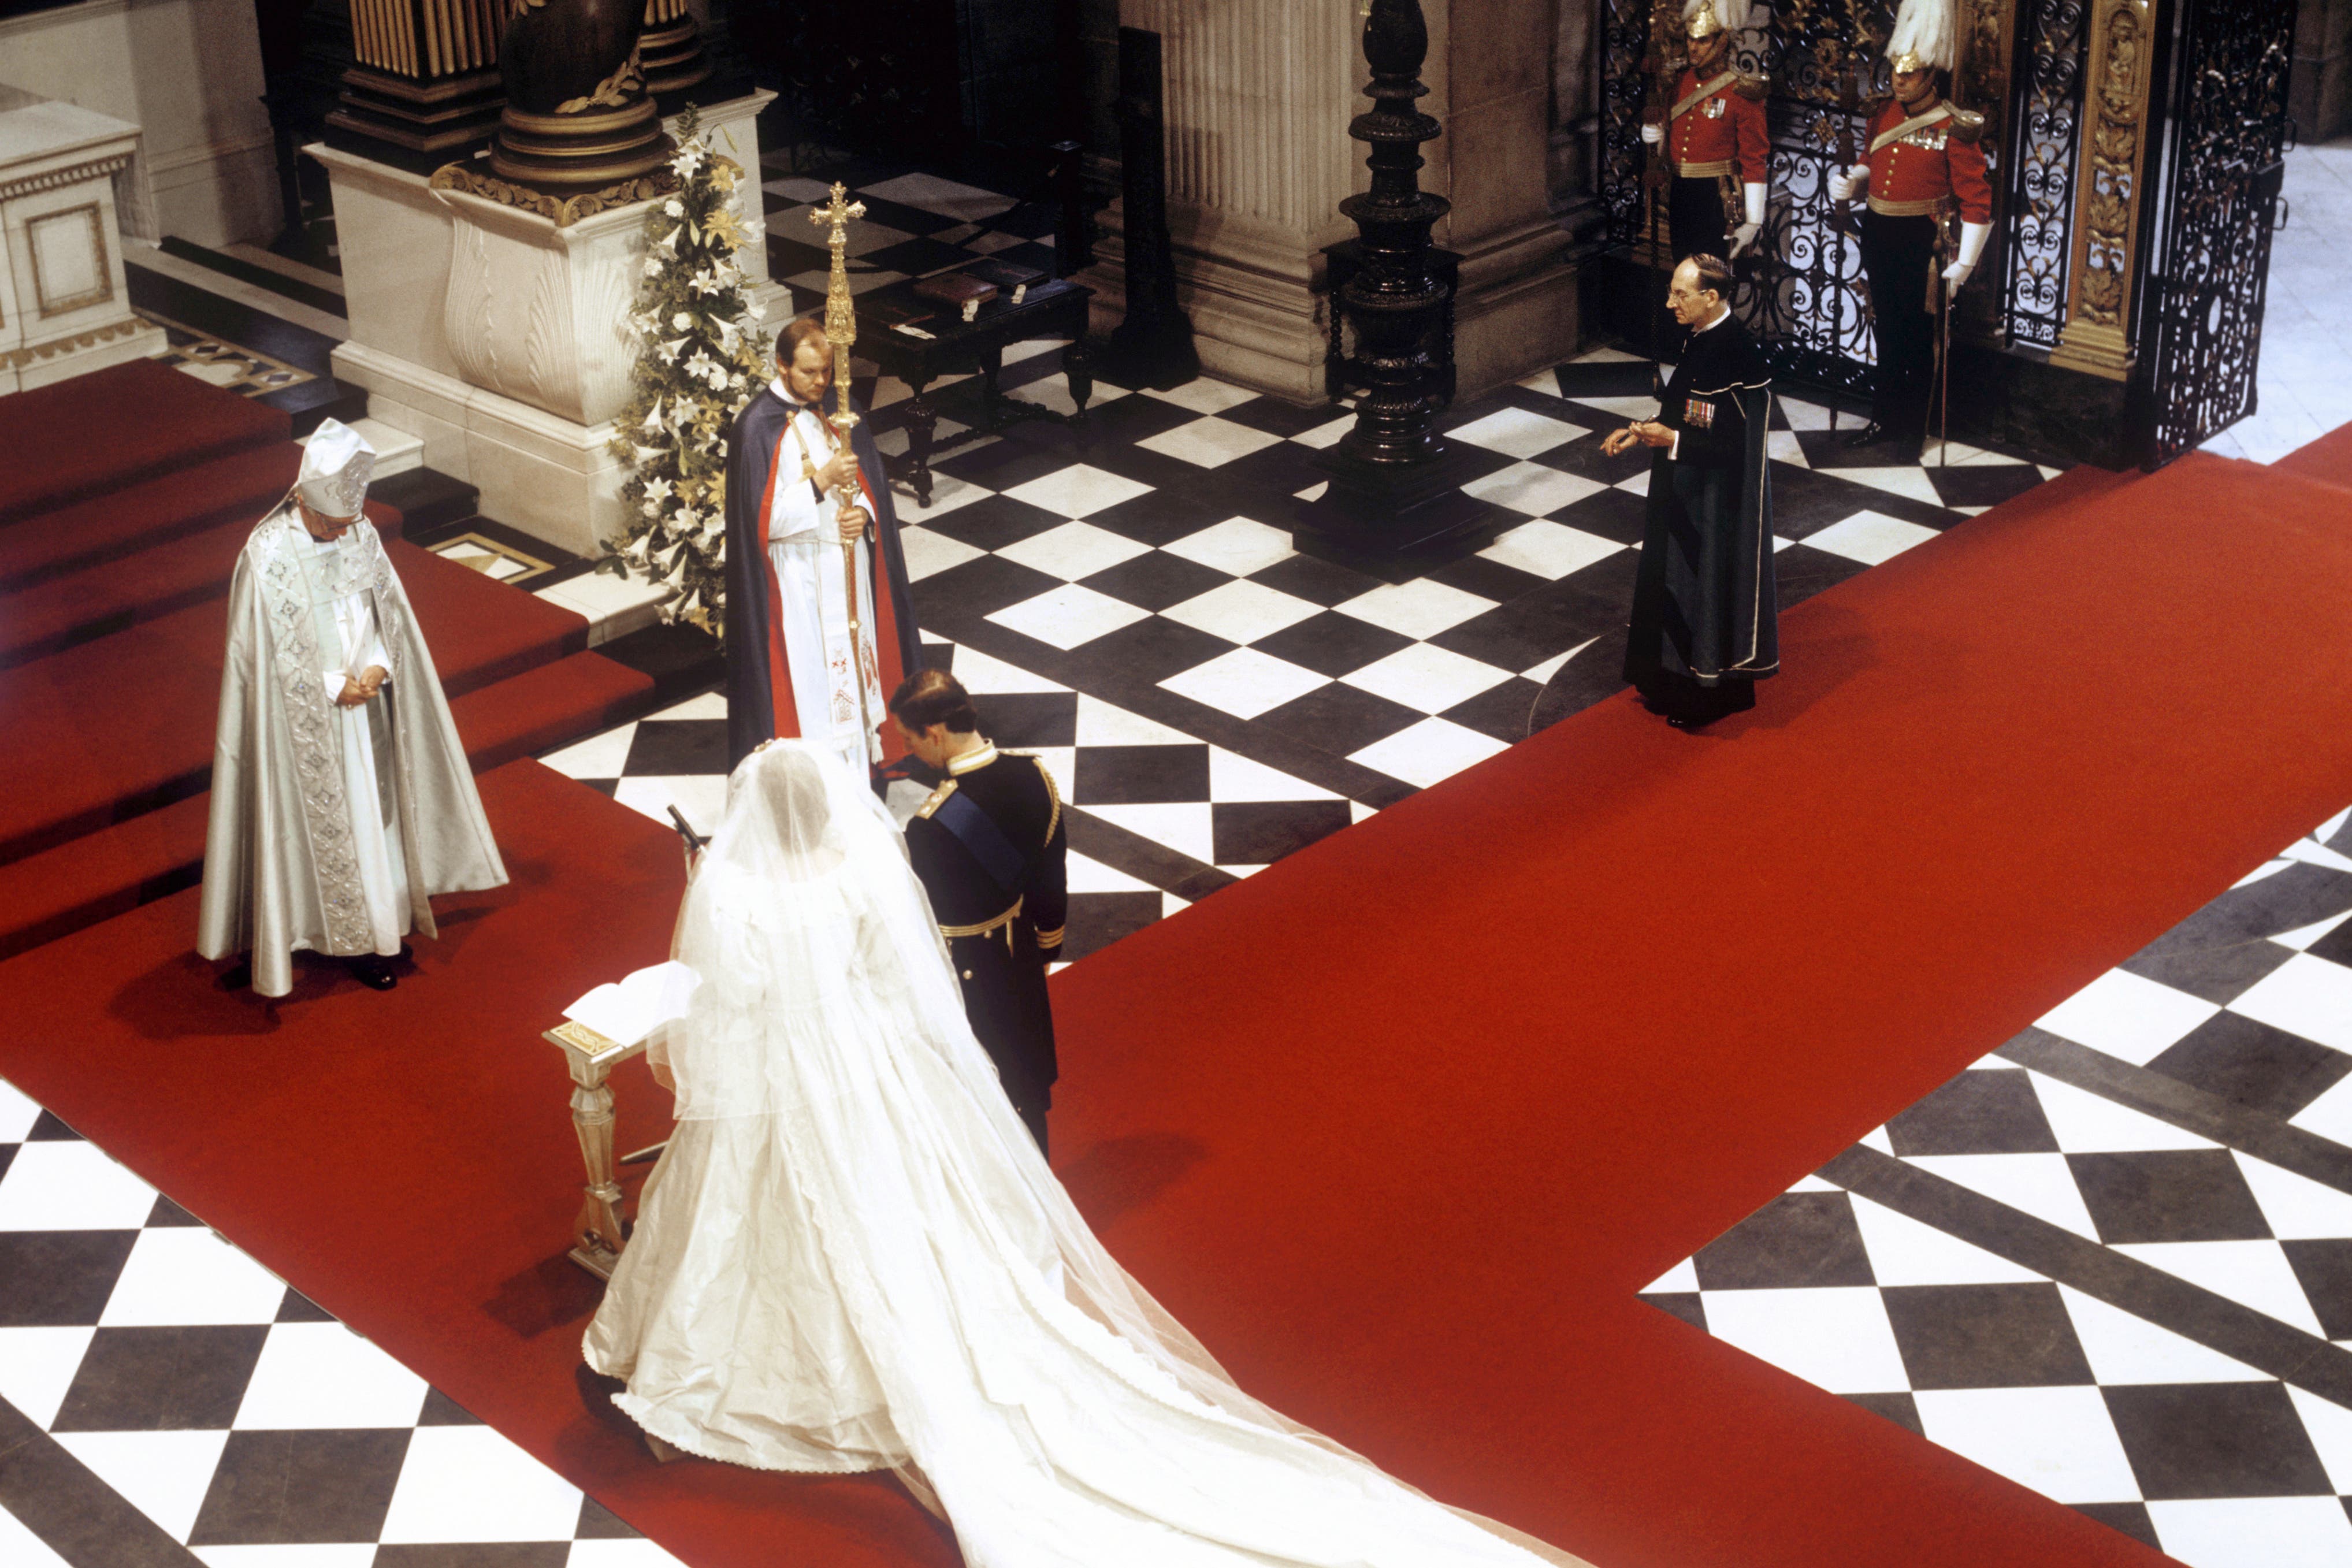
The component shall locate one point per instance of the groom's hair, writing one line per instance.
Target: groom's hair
(932, 697)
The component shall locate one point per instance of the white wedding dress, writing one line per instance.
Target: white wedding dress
(852, 1257)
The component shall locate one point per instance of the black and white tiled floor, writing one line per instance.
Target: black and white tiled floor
(165, 1400)
(2113, 1260)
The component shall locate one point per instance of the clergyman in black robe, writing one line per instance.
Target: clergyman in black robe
(791, 668)
(990, 848)
(1704, 627)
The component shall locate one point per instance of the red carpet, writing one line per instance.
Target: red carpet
(116, 426)
(2327, 459)
(106, 528)
(78, 761)
(1399, 1124)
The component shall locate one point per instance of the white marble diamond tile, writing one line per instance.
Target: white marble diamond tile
(702, 705)
(2306, 995)
(472, 1484)
(1242, 611)
(2330, 1115)
(2125, 1348)
(1031, 348)
(37, 1368)
(2298, 1208)
(929, 553)
(1418, 609)
(2254, 1532)
(1078, 491)
(863, 235)
(185, 1273)
(1909, 479)
(70, 1185)
(1234, 778)
(1238, 545)
(1325, 435)
(2126, 1016)
(1870, 537)
(1549, 550)
(1803, 415)
(345, 1554)
(1635, 484)
(1516, 432)
(2252, 1273)
(2316, 854)
(1626, 408)
(700, 798)
(1073, 551)
(18, 1111)
(948, 492)
(1426, 678)
(2059, 1442)
(1532, 488)
(1904, 1252)
(1836, 1337)
(1245, 683)
(2086, 1123)
(1202, 395)
(20, 1548)
(1682, 1278)
(1428, 752)
(1782, 446)
(1540, 673)
(625, 1552)
(1185, 827)
(1068, 617)
(1087, 875)
(163, 1474)
(982, 675)
(934, 194)
(1169, 903)
(323, 1377)
(2329, 1426)
(2038, 1184)
(1210, 442)
(1101, 723)
(1606, 356)
(1054, 391)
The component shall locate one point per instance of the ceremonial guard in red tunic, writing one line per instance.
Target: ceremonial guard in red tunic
(1715, 137)
(991, 851)
(1924, 167)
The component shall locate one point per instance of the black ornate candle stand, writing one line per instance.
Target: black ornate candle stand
(1394, 505)
(1152, 345)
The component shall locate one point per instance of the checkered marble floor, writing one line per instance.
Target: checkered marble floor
(165, 1400)
(2113, 1260)
(915, 224)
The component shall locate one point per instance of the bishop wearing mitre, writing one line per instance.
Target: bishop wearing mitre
(341, 797)
(796, 554)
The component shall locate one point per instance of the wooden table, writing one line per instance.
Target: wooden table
(1052, 307)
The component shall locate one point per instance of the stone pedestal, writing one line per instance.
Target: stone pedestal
(497, 336)
(63, 306)
(1259, 94)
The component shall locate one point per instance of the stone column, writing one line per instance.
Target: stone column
(1259, 95)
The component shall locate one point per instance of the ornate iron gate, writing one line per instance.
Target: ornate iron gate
(2226, 140)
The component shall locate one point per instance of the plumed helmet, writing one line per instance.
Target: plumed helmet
(1927, 36)
(336, 466)
(1705, 18)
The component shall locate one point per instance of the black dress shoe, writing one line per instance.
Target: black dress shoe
(373, 972)
(238, 976)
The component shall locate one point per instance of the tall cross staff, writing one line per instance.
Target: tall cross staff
(840, 332)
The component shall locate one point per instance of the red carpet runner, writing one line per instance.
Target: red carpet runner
(1399, 1124)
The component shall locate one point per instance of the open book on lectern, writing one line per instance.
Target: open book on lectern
(627, 1011)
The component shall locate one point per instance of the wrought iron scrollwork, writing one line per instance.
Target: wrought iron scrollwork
(2045, 147)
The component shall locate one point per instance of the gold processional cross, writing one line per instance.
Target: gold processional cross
(840, 332)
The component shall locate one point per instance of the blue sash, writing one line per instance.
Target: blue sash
(977, 831)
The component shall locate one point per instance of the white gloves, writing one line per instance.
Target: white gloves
(1752, 205)
(1846, 185)
(1653, 133)
(1972, 244)
(1741, 238)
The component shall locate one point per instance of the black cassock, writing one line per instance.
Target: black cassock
(1704, 627)
(990, 850)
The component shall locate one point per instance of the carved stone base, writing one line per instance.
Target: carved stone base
(592, 149)
(561, 210)
(415, 124)
(673, 56)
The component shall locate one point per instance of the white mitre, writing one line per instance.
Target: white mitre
(336, 466)
(1927, 36)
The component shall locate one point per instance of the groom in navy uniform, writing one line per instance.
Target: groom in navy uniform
(990, 850)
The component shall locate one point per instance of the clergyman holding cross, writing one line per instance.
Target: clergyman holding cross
(792, 668)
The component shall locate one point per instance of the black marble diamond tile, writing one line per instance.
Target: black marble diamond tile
(900, 216)
(1156, 581)
(59, 1279)
(1316, 580)
(1161, 517)
(944, 600)
(167, 1215)
(1149, 651)
(1981, 484)
(2218, 975)
(670, 746)
(602, 786)
(1037, 252)
(1687, 1305)
(1140, 775)
(1800, 572)
(1978, 1113)
(2299, 895)
(2168, 1195)
(2215, 1440)
(161, 1379)
(2129, 1517)
(1121, 421)
(300, 1487)
(1340, 718)
(992, 522)
(1098, 919)
(1002, 465)
(1895, 1406)
(1594, 674)
(1806, 501)
(1829, 450)
(1260, 832)
(440, 1410)
(7, 1156)
(1276, 417)
(1487, 579)
(1025, 719)
(598, 1523)
(48, 1129)
(1605, 378)
(2252, 1063)
(1331, 644)
(792, 258)
(1506, 711)
(297, 1308)
(1550, 620)
(1985, 1336)
(476, 1554)
(915, 257)
(2336, 947)
(1796, 1240)
(2324, 1269)
(1265, 484)
(1584, 458)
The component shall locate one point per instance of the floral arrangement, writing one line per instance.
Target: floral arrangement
(700, 358)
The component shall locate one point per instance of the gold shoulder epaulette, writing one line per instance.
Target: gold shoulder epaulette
(1755, 88)
(939, 798)
(1968, 125)
(1053, 794)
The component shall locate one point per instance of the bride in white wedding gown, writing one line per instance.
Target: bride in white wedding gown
(852, 1255)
